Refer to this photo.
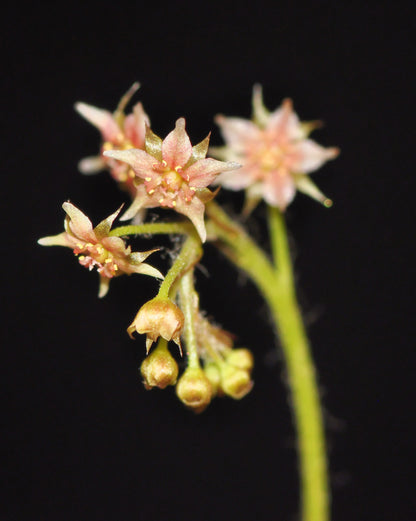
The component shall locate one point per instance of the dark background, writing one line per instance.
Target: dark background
(83, 439)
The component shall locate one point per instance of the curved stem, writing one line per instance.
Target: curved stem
(277, 287)
(189, 255)
(151, 229)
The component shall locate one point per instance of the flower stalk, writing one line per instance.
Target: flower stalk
(276, 284)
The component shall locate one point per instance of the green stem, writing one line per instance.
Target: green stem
(151, 229)
(187, 296)
(189, 255)
(277, 287)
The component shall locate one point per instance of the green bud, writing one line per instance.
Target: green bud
(214, 376)
(159, 369)
(235, 382)
(194, 389)
(241, 358)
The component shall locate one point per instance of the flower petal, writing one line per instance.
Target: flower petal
(104, 286)
(279, 189)
(203, 172)
(138, 203)
(176, 147)
(62, 239)
(194, 210)
(101, 119)
(235, 180)
(141, 162)
(135, 126)
(237, 131)
(285, 123)
(91, 165)
(79, 224)
(146, 269)
(312, 156)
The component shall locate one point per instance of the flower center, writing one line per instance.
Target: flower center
(96, 256)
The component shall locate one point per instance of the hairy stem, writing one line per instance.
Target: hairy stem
(276, 284)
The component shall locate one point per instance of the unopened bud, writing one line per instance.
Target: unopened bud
(158, 317)
(159, 369)
(241, 358)
(194, 389)
(214, 376)
(235, 382)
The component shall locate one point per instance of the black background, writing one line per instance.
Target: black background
(83, 439)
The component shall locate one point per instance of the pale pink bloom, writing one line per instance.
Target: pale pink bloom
(275, 152)
(173, 174)
(118, 132)
(96, 249)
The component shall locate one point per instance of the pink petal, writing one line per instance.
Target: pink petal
(176, 147)
(135, 126)
(100, 118)
(279, 189)
(203, 172)
(79, 223)
(284, 122)
(236, 180)
(312, 156)
(138, 203)
(141, 162)
(195, 212)
(91, 165)
(237, 131)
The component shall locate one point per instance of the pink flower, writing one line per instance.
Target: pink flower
(275, 152)
(118, 132)
(173, 174)
(96, 249)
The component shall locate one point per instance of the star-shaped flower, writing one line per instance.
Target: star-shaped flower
(96, 249)
(173, 174)
(275, 152)
(118, 132)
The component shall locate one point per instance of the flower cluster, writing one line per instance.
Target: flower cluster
(270, 157)
(275, 152)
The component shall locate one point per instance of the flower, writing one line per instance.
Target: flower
(119, 132)
(173, 174)
(96, 249)
(275, 152)
(158, 317)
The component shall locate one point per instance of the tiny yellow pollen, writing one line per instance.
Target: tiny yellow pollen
(160, 201)
(150, 192)
(115, 267)
(328, 203)
(107, 261)
(164, 163)
(79, 245)
(192, 188)
(81, 257)
(88, 245)
(178, 168)
(131, 173)
(147, 179)
(173, 203)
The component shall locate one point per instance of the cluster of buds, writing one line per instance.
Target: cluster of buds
(222, 370)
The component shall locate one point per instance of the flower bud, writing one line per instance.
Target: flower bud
(241, 358)
(235, 382)
(194, 389)
(214, 376)
(158, 317)
(159, 369)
